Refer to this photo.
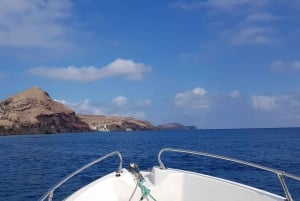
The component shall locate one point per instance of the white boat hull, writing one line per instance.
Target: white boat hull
(166, 184)
(169, 185)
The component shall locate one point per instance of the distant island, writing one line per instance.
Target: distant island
(175, 126)
(33, 111)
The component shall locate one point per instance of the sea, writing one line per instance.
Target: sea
(31, 164)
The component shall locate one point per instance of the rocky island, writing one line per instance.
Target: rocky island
(175, 126)
(33, 111)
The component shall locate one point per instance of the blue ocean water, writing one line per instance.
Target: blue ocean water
(31, 164)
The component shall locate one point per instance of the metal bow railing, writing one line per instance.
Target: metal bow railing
(50, 192)
(280, 174)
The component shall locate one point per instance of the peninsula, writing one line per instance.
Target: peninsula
(33, 111)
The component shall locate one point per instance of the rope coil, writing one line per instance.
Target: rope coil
(145, 191)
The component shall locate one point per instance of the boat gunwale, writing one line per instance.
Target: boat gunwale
(49, 194)
(280, 174)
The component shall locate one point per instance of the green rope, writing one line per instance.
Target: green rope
(145, 190)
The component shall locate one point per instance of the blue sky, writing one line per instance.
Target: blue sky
(209, 63)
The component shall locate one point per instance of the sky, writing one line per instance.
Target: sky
(208, 63)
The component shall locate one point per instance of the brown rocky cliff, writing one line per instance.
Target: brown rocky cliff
(33, 111)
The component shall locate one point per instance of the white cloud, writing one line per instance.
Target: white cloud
(234, 94)
(195, 98)
(120, 101)
(229, 5)
(34, 23)
(286, 65)
(250, 19)
(206, 110)
(285, 102)
(128, 68)
(293, 101)
(87, 107)
(199, 91)
(261, 17)
(144, 103)
(120, 67)
(264, 102)
(188, 6)
(61, 101)
(83, 107)
(221, 5)
(284, 109)
(251, 35)
(254, 29)
(134, 114)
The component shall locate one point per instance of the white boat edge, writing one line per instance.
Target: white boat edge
(170, 184)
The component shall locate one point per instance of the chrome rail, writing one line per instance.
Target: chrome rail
(280, 174)
(50, 192)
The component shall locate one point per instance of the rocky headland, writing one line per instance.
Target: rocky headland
(175, 126)
(33, 111)
(115, 123)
